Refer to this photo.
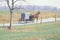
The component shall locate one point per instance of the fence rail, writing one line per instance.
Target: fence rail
(41, 20)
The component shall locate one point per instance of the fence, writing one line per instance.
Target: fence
(55, 18)
(41, 20)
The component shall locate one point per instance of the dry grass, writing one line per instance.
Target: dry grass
(16, 16)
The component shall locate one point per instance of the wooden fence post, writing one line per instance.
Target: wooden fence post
(41, 19)
(55, 18)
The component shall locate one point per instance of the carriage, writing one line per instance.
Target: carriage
(28, 17)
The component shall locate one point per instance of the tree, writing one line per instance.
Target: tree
(11, 8)
(11, 5)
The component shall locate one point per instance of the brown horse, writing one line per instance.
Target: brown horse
(36, 15)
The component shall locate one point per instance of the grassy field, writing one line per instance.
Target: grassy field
(48, 31)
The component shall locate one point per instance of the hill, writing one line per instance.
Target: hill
(34, 8)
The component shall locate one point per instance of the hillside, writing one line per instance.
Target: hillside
(34, 8)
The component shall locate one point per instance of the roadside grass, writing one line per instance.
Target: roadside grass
(48, 31)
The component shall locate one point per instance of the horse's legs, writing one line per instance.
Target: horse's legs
(36, 19)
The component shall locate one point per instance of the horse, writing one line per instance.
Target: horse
(35, 16)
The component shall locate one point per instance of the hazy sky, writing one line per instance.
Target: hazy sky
(53, 3)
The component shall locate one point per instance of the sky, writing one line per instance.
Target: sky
(53, 3)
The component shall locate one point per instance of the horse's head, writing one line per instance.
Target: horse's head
(37, 13)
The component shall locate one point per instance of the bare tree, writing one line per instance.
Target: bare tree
(11, 5)
(11, 8)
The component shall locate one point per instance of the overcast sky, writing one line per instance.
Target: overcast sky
(53, 3)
